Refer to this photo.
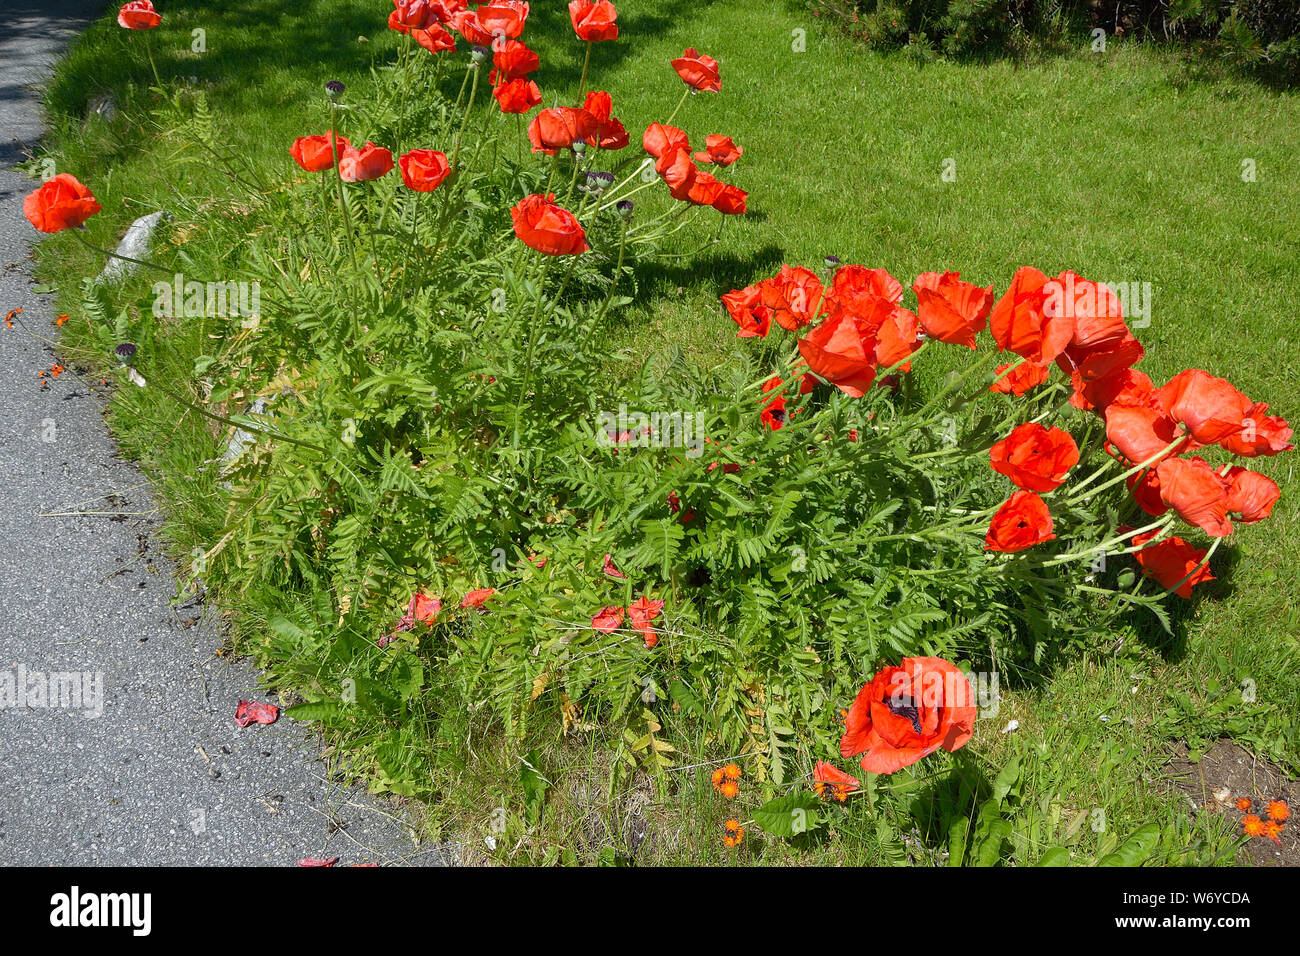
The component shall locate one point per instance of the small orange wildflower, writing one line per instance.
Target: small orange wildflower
(1243, 804)
(1272, 829)
(1279, 811)
(729, 789)
(733, 834)
(9, 319)
(56, 370)
(1252, 825)
(61, 319)
(718, 778)
(731, 771)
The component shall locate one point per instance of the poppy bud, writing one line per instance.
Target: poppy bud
(334, 88)
(125, 352)
(479, 54)
(625, 208)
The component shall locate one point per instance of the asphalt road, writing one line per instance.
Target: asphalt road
(162, 775)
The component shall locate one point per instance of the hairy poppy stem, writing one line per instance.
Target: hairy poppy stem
(532, 347)
(1080, 488)
(673, 114)
(582, 85)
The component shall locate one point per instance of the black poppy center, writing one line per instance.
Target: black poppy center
(905, 707)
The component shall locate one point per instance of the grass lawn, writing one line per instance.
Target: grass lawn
(1122, 166)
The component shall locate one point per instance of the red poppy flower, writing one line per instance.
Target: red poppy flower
(794, 297)
(1022, 522)
(842, 350)
(1197, 492)
(610, 133)
(1261, 434)
(594, 22)
(773, 415)
(1034, 457)
(660, 139)
(559, 128)
(411, 15)
(745, 306)
(855, 284)
(478, 597)
(1141, 432)
(1250, 494)
(1210, 408)
(1124, 386)
(808, 383)
(731, 200)
(315, 153)
(610, 568)
(1018, 378)
(698, 71)
(368, 162)
(492, 23)
(907, 712)
(424, 608)
(1169, 561)
(719, 150)
(1145, 488)
(832, 783)
(679, 172)
(60, 203)
(138, 15)
(518, 96)
(1019, 321)
(705, 190)
(435, 39)
(1102, 343)
(641, 613)
(423, 170)
(548, 228)
(608, 619)
(511, 60)
(950, 310)
(897, 338)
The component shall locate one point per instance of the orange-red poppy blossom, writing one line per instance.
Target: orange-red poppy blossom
(559, 128)
(1142, 432)
(138, 15)
(1261, 434)
(478, 597)
(1250, 494)
(842, 351)
(951, 310)
(832, 783)
(1197, 492)
(491, 23)
(719, 151)
(907, 712)
(1022, 522)
(660, 139)
(512, 60)
(425, 608)
(1210, 408)
(1020, 323)
(745, 306)
(594, 22)
(435, 39)
(423, 170)
(550, 229)
(698, 71)
(641, 613)
(1019, 377)
(316, 153)
(608, 619)
(60, 203)
(518, 95)
(1170, 560)
(794, 297)
(610, 133)
(1034, 457)
(361, 164)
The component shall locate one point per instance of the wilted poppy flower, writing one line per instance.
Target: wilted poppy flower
(950, 310)
(1022, 522)
(315, 153)
(1141, 432)
(423, 170)
(594, 22)
(478, 598)
(424, 608)
(559, 128)
(1250, 494)
(512, 60)
(1019, 321)
(1018, 378)
(365, 163)
(518, 96)
(719, 150)
(1170, 560)
(608, 619)
(842, 350)
(1197, 492)
(907, 712)
(1209, 407)
(138, 15)
(794, 297)
(60, 203)
(1261, 434)
(610, 133)
(832, 783)
(660, 139)
(250, 711)
(698, 71)
(1034, 457)
(745, 306)
(542, 225)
